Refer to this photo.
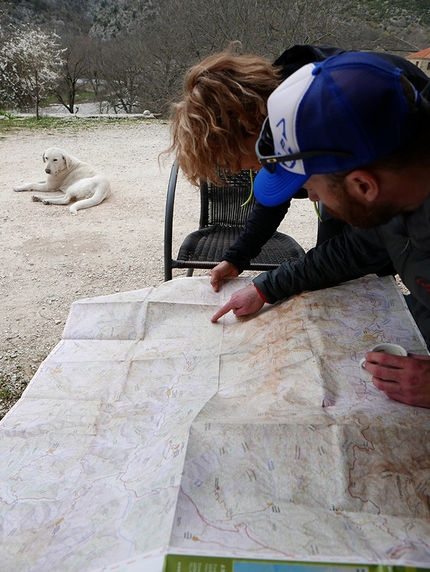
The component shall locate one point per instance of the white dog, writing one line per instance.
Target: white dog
(77, 180)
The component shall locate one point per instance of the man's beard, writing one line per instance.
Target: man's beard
(357, 214)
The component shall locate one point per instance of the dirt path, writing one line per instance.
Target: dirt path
(50, 258)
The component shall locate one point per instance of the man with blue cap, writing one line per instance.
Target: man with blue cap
(356, 134)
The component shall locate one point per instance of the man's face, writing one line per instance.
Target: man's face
(340, 204)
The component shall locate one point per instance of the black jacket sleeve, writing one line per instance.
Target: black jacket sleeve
(297, 56)
(412, 72)
(260, 226)
(345, 257)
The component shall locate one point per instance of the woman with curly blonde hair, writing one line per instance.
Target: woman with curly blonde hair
(217, 122)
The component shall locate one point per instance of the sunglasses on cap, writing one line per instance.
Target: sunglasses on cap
(265, 149)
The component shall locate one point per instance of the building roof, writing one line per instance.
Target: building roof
(423, 55)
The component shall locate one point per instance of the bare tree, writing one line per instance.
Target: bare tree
(264, 27)
(30, 62)
(187, 30)
(144, 65)
(120, 66)
(75, 70)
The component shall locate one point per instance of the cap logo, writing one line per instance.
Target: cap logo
(283, 143)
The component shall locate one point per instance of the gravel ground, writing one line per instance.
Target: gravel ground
(50, 258)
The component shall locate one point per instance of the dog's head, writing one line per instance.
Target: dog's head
(56, 160)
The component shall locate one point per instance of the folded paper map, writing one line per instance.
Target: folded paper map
(150, 431)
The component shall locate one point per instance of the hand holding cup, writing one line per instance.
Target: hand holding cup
(393, 349)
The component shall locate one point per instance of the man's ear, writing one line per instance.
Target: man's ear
(362, 185)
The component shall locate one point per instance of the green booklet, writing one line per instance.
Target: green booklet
(180, 563)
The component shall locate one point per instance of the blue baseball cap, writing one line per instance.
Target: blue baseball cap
(332, 116)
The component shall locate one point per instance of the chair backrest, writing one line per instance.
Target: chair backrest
(225, 205)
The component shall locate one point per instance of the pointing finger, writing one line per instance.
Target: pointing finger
(223, 310)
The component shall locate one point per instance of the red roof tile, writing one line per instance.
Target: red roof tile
(423, 54)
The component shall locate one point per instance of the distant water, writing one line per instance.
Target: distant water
(82, 109)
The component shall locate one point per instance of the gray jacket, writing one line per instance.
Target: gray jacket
(405, 240)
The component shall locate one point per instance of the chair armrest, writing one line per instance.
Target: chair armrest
(168, 222)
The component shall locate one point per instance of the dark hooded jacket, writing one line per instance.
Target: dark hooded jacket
(405, 240)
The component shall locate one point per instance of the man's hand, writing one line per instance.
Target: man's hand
(243, 302)
(405, 379)
(222, 270)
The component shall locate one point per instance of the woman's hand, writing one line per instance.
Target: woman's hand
(223, 270)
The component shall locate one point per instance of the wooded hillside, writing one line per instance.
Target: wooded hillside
(135, 52)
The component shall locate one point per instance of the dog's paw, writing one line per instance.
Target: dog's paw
(35, 199)
(19, 189)
(73, 211)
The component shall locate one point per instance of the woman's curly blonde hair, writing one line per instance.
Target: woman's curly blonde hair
(224, 101)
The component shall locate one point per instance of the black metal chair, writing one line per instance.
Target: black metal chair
(222, 217)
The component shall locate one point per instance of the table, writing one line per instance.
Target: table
(148, 431)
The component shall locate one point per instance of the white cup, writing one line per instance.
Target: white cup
(392, 349)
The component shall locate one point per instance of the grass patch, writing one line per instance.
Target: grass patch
(70, 124)
(8, 393)
(13, 123)
(11, 387)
